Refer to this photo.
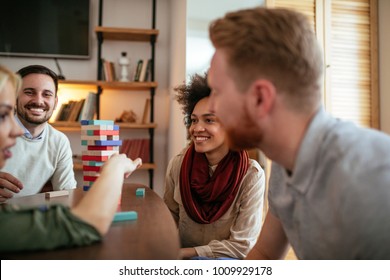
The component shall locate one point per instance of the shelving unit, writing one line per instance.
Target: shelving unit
(130, 35)
(127, 34)
(113, 85)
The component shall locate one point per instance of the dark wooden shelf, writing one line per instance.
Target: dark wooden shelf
(112, 85)
(127, 34)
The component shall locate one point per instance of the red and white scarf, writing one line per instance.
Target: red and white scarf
(206, 198)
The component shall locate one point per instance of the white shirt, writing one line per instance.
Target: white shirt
(36, 161)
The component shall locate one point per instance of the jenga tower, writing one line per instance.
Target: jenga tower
(99, 140)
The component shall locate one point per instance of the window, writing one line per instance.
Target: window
(347, 30)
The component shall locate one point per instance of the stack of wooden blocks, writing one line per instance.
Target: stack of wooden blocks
(99, 139)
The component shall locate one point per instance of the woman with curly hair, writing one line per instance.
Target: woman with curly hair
(214, 194)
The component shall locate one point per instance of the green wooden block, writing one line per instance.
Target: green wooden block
(140, 192)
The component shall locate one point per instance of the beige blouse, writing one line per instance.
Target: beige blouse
(236, 232)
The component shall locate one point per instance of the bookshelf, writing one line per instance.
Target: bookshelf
(116, 85)
(130, 35)
(127, 34)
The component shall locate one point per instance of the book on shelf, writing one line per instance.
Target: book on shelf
(133, 151)
(108, 68)
(64, 112)
(138, 70)
(113, 72)
(145, 148)
(148, 72)
(70, 111)
(61, 111)
(146, 65)
(135, 148)
(105, 72)
(145, 115)
(76, 110)
(89, 109)
(70, 108)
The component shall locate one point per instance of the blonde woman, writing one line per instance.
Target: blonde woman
(53, 226)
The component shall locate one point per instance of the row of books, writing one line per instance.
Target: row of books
(109, 74)
(83, 109)
(135, 148)
(142, 71)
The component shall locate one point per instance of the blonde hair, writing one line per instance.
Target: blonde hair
(8, 75)
(274, 44)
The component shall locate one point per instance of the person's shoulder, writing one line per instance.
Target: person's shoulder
(360, 158)
(174, 164)
(178, 158)
(254, 163)
(255, 175)
(54, 132)
(347, 131)
(255, 167)
(348, 140)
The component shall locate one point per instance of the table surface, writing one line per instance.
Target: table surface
(153, 236)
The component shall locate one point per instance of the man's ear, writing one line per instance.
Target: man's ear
(263, 96)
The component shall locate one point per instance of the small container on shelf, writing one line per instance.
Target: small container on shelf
(124, 63)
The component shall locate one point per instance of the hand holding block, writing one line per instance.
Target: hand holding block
(125, 216)
(140, 192)
(56, 193)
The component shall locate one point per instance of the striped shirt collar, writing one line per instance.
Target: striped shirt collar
(27, 133)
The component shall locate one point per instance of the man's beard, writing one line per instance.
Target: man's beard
(242, 141)
(34, 120)
(243, 137)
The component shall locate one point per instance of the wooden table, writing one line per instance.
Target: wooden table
(152, 236)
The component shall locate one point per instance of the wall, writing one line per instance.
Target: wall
(200, 13)
(192, 51)
(123, 13)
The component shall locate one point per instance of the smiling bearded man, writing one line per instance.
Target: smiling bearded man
(42, 154)
(36, 101)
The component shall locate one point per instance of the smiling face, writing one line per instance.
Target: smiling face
(36, 100)
(9, 129)
(207, 132)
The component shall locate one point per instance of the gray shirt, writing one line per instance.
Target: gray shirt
(336, 203)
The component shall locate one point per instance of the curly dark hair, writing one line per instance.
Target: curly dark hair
(188, 95)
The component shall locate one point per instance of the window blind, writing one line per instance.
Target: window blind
(347, 30)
